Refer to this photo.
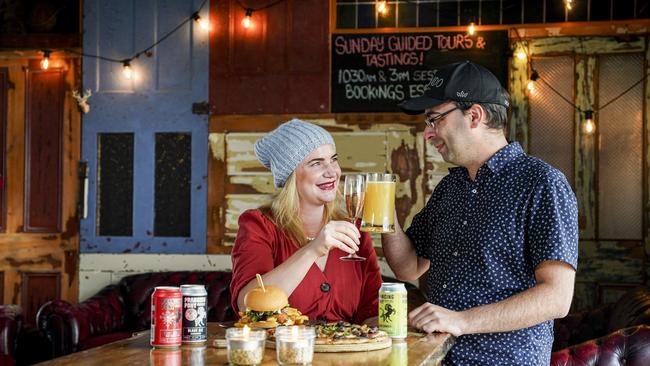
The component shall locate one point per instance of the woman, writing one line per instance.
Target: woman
(295, 241)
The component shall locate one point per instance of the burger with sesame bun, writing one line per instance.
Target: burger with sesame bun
(268, 307)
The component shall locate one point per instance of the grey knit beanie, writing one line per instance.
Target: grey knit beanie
(282, 149)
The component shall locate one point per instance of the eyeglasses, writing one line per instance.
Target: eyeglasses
(432, 119)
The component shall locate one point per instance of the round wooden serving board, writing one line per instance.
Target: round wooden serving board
(360, 347)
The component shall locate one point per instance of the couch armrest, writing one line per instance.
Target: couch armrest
(65, 325)
(629, 346)
(581, 326)
(11, 318)
(54, 321)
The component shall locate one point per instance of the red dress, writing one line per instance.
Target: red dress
(343, 291)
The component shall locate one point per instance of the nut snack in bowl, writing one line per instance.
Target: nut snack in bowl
(294, 345)
(245, 346)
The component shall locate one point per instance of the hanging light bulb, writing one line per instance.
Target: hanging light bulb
(471, 29)
(204, 24)
(588, 126)
(126, 70)
(382, 7)
(530, 86)
(247, 23)
(531, 82)
(568, 4)
(45, 63)
(521, 55)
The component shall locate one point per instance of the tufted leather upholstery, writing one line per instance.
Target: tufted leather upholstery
(11, 320)
(614, 334)
(118, 310)
(629, 346)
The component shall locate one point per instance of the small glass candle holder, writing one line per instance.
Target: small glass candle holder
(294, 345)
(245, 346)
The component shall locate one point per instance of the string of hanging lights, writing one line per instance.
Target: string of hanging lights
(127, 71)
(247, 22)
(204, 24)
(588, 125)
(382, 8)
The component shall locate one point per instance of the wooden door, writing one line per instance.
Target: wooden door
(39, 154)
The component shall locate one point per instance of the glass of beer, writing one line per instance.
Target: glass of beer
(379, 206)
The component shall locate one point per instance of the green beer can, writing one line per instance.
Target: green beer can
(393, 309)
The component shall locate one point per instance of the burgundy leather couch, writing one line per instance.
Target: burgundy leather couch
(118, 310)
(11, 319)
(614, 334)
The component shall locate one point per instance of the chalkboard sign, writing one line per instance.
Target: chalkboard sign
(374, 72)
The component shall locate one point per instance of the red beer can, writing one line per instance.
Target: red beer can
(166, 315)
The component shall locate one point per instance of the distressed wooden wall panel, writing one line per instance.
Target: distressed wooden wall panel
(586, 45)
(240, 155)
(37, 289)
(518, 74)
(585, 147)
(236, 204)
(4, 87)
(354, 156)
(609, 261)
(282, 59)
(405, 160)
(250, 184)
(362, 152)
(44, 122)
(2, 288)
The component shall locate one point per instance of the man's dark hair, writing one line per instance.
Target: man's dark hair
(497, 114)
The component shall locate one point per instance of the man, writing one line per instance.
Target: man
(499, 234)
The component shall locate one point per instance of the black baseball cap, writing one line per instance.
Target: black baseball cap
(461, 82)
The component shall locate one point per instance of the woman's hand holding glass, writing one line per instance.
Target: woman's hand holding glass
(336, 234)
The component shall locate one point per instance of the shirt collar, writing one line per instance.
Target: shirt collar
(504, 156)
(497, 162)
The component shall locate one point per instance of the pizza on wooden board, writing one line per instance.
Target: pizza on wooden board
(346, 333)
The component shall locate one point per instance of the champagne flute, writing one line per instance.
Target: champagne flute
(354, 191)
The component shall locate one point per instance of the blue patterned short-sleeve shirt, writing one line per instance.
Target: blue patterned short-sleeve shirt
(485, 238)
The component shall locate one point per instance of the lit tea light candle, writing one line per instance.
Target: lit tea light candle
(294, 345)
(245, 346)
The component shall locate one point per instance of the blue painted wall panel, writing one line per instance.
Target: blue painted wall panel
(158, 99)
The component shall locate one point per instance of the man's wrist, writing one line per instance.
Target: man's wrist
(464, 323)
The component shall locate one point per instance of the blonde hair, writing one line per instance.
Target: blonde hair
(284, 211)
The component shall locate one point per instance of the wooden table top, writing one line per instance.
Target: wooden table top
(136, 350)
